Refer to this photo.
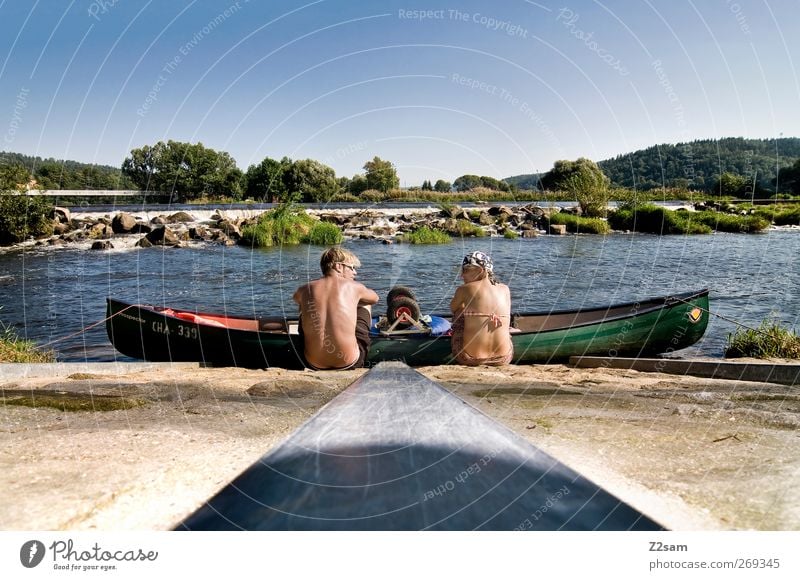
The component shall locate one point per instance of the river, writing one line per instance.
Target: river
(50, 294)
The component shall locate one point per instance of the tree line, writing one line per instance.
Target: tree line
(731, 166)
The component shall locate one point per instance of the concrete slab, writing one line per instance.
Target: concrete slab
(761, 372)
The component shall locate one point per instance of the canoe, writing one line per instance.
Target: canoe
(634, 329)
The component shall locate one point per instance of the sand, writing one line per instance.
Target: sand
(694, 454)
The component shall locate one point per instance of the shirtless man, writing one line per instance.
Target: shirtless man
(335, 314)
(481, 311)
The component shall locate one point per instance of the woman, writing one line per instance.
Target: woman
(481, 311)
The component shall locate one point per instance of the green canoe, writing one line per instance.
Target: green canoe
(645, 328)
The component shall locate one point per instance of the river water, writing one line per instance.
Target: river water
(50, 295)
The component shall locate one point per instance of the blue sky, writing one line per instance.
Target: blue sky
(439, 88)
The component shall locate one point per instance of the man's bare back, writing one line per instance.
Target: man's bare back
(329, 312)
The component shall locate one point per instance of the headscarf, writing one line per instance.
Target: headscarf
(480, 260)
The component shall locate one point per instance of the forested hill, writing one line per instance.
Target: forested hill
(695, 165)
(57, 174)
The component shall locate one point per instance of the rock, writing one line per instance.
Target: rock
(102, 245)
(100, 231)
(144, 243)
(60, 228)
(198, 233)
(180, 217)
(62, 215)
(56, 242)
(123, 223)
(575, 210)
(485, 219)
(230, 228)
(161, 236)
(500, 211)
(159, 220)
(529, 233)
(558, 229)
(141, 228)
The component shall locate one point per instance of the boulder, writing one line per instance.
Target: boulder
(485, 219)
(102, 245)
(144, 243)
(159, 220)
(529, 233)
(230, 228)
(500, 211)
(60, 228)
(180, 217)
(198, 233)
(123, 223)
(100, 231)
(162, 236)
(61, 215)
(558, 229)
(141, 228)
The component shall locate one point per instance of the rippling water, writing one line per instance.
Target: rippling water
(51, 294)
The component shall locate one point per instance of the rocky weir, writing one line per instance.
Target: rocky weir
(145, 229)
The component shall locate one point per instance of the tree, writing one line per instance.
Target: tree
(358, 185)
(467, 182)
(310, 180)
(14, 177)
(187, 170)
(426, 185)
(265, 180)
(731, 184)
(583, 179)
(788, 179)
(442, 186)
(381, 175)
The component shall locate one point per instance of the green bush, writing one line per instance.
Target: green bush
(726, 222)
(770, 340)
(510, 234)
(286, 224)
(654, 219)
(426, 235)
(15, 350)
(580, 225)
(466, 229)
(22, 216)
(324, 234)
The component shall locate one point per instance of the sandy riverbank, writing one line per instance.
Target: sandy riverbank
(694, 454)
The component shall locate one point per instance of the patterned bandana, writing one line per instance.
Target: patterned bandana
(478, 259)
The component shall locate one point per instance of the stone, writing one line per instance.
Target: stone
(62, 215)
(500, 211)
(159, 220)
(141, 228)
(558, 229)
(100, 231)
(230, 228)
(123, 223)
(180, 217)
(529, 233)
(198, 233)
(162, 236)
(485, 219)
(60, 228)
(102, 245)
(144, 243)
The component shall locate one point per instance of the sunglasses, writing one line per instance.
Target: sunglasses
(348, 266)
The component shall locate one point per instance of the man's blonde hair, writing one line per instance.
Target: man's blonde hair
(337, 255)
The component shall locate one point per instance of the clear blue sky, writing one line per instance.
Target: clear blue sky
(439, 88)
